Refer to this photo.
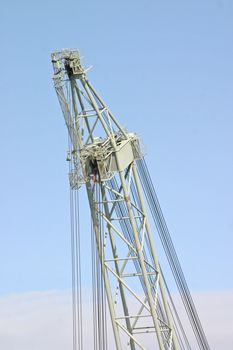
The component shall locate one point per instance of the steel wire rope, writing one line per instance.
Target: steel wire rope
(172, 256)
(190, 311)
(103, 295)
(176, 315)
(75, 248)
(93, 259)
(161, 312)
(76, 268)
(96, 320)
(99, 296)
(99, 285)
(182, 292)
(73, 273)
(74, 317)
(79, 270)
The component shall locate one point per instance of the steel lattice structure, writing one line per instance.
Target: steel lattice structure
(105, 159)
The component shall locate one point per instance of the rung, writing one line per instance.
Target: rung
(132, 316)
(149, 331)
(111, 201)
(87, 115)
(137, 274)
(126, 218)
(121, 259)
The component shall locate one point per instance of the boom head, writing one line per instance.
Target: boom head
(96, 136)
(68, 61)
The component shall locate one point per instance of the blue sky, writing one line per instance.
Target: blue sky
(165, 69)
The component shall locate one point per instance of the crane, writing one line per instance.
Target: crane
(108, 161)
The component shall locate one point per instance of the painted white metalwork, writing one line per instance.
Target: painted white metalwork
(104, 160)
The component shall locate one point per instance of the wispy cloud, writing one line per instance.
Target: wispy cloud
(216, 313)
(43, 320)
(38, 320)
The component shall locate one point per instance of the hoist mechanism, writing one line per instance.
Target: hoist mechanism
(108, 160)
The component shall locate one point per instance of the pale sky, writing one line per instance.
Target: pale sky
(165, 69)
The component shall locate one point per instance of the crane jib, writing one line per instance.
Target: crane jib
(129, 285)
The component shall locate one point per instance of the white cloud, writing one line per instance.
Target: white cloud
(216, 314)
(39, 320)
(43, 320)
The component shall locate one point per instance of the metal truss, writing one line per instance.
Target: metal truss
(104, 158)
(135, 288)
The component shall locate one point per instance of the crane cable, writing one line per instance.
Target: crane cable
(75, 251)
(182, 291)
(99, 312)
(76, 272)
(98, 290)
(170, 252)
(180, 332)
(167, 243)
